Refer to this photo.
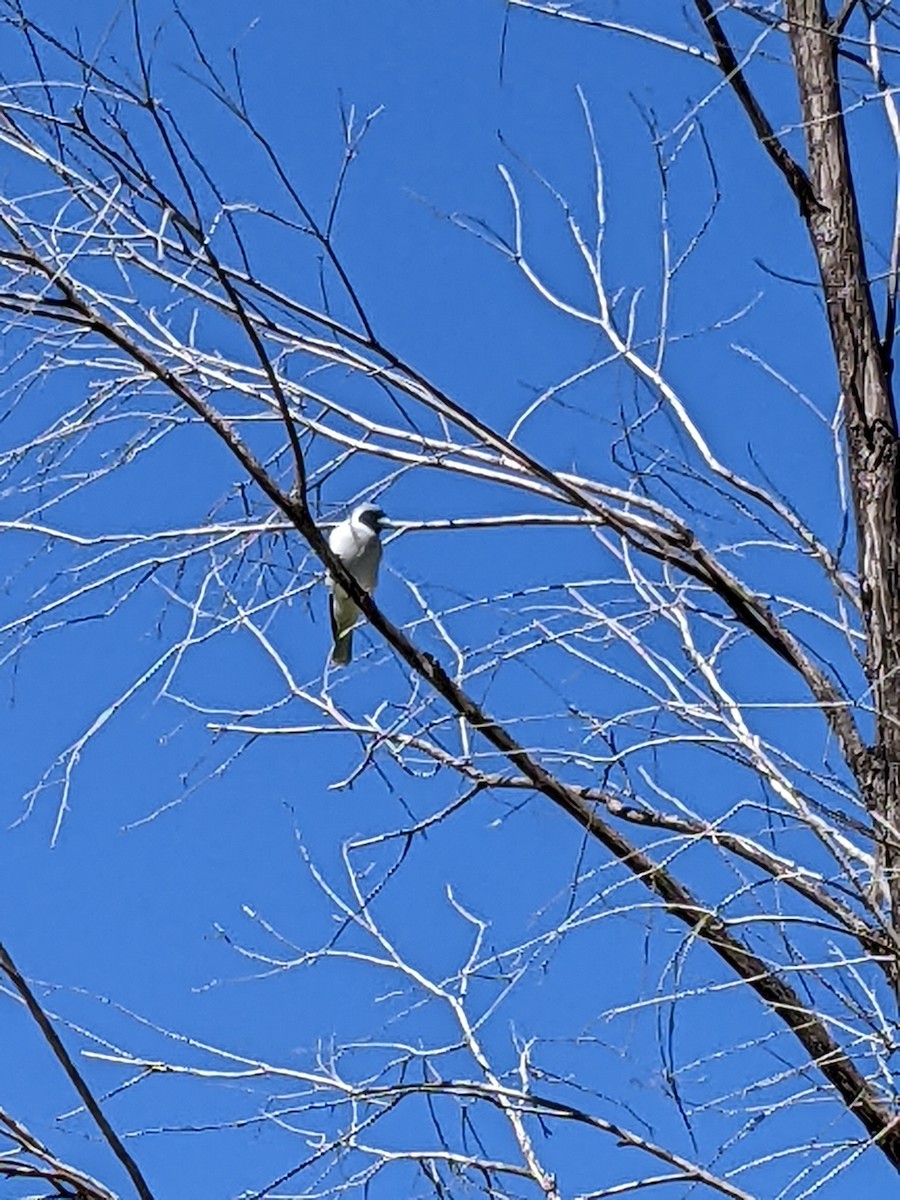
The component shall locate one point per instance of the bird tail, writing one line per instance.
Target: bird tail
(343, 649)
(341, 631)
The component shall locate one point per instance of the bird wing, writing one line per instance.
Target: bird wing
(365, 567)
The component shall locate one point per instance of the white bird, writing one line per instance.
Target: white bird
(357, 544)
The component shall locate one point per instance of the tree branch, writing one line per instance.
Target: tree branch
(858, 1094)
(54, 1041)
(731, 69)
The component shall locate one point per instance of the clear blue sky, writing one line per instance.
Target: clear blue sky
(173, 836)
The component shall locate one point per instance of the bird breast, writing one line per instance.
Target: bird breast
(360, 551)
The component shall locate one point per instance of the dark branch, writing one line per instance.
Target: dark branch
(54, 1041)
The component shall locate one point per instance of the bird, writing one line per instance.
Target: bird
(357, 544)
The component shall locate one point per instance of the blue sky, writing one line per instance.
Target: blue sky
(179, 851)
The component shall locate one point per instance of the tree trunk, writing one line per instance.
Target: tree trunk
(831, 213)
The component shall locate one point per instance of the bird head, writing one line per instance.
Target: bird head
(370, 516)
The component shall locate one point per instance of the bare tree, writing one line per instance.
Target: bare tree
(713, 677)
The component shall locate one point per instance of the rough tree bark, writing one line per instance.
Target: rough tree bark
(831, 213)
(829, 207)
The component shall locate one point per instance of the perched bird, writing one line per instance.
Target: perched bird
(357, 544)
